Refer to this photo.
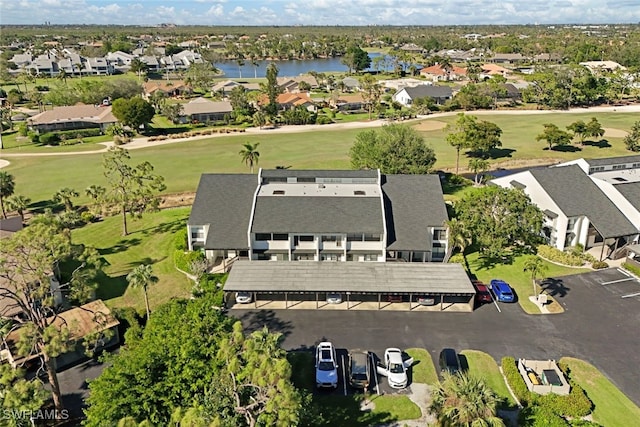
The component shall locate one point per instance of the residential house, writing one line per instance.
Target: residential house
(412, 48)
(201, 110)
(224, 87)
(351, 84)
(151, 62)
(438, 73)
(507, 58)
(97, 67)
(119, 58)
(79, 116)
(319, 215)
(90, 318)
(44, 66)
(593, 203)
(291, 84)
(350, 103)
(490, 70)
(22, 59)
(598, 67)
(397, 84)
(171, 88)
(407, 96)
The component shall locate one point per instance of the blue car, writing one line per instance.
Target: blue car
(502, 291)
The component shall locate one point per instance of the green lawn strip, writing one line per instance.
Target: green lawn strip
(518, 279)
(150, 241)
(484, 366)
(423, 370)
(339, 410)
(611, 406)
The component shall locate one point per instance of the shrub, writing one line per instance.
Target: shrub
(575, 404)
(183, 259)
(457, 259)
(87, 216)
(323, 120)
(35, 137)
(117, 140)
(538, 416)
(561, 257)
(50, 138)
(515, 380)
(180, 240)
(599, 264)
(81, 133)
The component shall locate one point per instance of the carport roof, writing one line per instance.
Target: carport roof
(370, 277)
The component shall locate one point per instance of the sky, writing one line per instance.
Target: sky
(318, 12)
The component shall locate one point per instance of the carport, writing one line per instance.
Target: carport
(362, 285)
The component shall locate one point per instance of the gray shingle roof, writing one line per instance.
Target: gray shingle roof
(224, 201)
(422, 91)
(412, 203)
(614, 160)
(631, 191)
(576, 194)
(293, 214)
(285, 173)
(370, 277)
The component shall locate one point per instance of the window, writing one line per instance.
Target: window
(278, 192)
(261, 237)
(359, 193)
(354, 237)
(277, 236)
(371, 257)
(304, 257)
(197, 233)
(439, 234)
(305, 238)
(372, 237)
(329, 257)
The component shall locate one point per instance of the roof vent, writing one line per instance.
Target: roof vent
(359, 193)
(321, 186)
(278, 192)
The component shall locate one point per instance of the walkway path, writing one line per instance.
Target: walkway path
(144, 142)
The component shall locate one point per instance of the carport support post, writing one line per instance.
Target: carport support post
(286, 302)
(316, 300)
(348, 300)
(604, 242)
(255, 301)
(441, 301)
(378, 300)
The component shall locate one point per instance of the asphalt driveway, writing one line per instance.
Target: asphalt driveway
(598, 326)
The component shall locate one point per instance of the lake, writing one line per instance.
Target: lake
(285, 68)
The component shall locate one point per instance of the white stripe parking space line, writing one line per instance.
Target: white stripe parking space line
(617, 281)
(623, 271)
(631, 295)
(344, 375)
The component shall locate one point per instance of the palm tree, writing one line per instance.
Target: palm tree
(459, 237)
(249, 154)
(478, 166)
(19, 204)
(95, 192)
(64, 196)
(7, 187)
(141, 277)
(62, 75)
(463, 400)
(536, 268)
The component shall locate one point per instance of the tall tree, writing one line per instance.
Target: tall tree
(173, 112)
(500, 220)
(457, 134)
(134, 112)
(27, 260)
(131, 189)
(371, 92)
(138, 67)
(65, 196)
(579, 129)
(478, 167)
(356, 59)
(19, 394)
(142, 277)
(464, 400)
(394, 149)
(554, 136)
(7, 187)
(271, 89)
(250, 154)
(631, 141)
(535, 266)
(594, 128)
(201, 75)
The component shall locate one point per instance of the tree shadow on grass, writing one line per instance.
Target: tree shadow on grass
(603, 143)
(146, 261)
(111, 287)
(122, 245)
(165, 227)
(499, 153)
(566, 148)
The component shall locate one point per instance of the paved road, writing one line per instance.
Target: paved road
(598, 326)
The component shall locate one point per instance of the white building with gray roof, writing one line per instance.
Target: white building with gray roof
(319, 215)
(589, 202)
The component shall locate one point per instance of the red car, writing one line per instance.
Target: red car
(482, 292)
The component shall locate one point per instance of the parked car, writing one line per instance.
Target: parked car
(359, 369)
(482, 292)
(394, 368)
(334, 298)
(449, 361)
(502, 291)
(243, 297)
(326, 365)
(426, 300)
(394, 298)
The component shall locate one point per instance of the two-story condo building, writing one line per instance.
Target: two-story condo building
(319, 215)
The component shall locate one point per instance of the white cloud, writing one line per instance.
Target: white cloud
(216, 10)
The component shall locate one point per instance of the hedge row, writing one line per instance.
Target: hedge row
(632, 268)
(515, 380)
(195, 133)
(184, 259)
(556, 255)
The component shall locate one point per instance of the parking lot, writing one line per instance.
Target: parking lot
(598, 326)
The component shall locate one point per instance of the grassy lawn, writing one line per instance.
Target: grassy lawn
(514, 275)
(423, 370)
(182, 163)
(150, 241)
(339, 410)
(612, 407)
(483, 366)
